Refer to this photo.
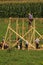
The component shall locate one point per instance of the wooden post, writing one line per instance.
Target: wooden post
(23, 31)
(17, 28)
(31, 37)
(34, 32)
(22, 27)
(7, 28)
(6, 34)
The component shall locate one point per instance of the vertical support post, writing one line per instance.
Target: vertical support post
(17, 27)
(23, 30)
(22, 27)
(7, 30)
(34, 32)
(10, 20)
(31, 36)
(6, 34)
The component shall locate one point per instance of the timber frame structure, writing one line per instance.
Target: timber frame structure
(32, 30)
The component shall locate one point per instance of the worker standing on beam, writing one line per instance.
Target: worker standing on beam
(30, 16)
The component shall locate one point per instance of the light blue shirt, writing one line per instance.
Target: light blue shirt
(30, 16)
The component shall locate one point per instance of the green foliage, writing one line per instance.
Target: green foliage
(21, 9)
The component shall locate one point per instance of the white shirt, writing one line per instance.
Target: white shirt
(30, 16)
(26, 42)
(37, 40)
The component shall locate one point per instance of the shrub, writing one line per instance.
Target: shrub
(21, 9)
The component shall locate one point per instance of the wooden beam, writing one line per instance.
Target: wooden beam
(17, 34)
(17, 27)
(31, 37)
(34, 32)
(6, 32)
(22, 30)
(22, 27)
(39, 34)
(20, 37)
(28, 32)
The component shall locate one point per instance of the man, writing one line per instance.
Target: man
(6, 46)
(37, 43)
(26, 44)
(20, 41)
(30, 19)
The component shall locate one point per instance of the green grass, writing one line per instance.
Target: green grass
(21, 57)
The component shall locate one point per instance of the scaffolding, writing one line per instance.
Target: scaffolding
(31, 31)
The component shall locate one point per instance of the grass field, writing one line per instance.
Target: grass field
(21, 57)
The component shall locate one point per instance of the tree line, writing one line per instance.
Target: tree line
(21, 9)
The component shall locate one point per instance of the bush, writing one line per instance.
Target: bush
(21, 9)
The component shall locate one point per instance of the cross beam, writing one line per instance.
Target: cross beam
(20, 37)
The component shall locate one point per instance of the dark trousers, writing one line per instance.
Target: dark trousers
(26, 46)
(37, 45)
(5, 46)
(20, 45)
(30, 21)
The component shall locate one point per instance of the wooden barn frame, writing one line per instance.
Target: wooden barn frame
(32, 30)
